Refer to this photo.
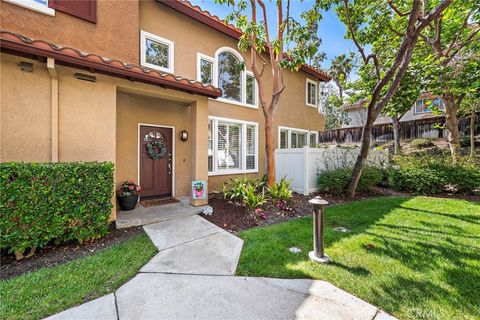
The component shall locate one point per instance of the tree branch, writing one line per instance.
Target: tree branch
(357, 44)
(459, 32)
(462, 45)
(433, 14)
(397, 11)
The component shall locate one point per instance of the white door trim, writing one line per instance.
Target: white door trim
(173, 151)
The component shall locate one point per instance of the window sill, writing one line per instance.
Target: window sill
(230, 172)
(311, 105)
(241, 104)
(34, 6)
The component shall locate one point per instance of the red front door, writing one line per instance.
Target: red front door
(156, 169)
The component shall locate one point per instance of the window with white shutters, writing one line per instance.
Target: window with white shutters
(210, 145)
(233, 146)
(251, 147)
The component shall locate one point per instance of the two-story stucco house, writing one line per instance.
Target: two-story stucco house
(87, 80)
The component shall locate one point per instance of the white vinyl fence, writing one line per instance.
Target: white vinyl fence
(302, 165)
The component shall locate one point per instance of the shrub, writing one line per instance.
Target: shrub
(280, 191)
(236, 188)
(433, 174)
(45, 202)
(335, 181)
(421, 143)
(253, 199)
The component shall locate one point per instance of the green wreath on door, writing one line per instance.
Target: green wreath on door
(152, 148)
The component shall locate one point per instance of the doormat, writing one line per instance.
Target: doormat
(158, 202)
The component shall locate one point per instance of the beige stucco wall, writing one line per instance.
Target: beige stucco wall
(25, 111)
(86, 124)
(86, 118)
(133, 110)
(117, 21)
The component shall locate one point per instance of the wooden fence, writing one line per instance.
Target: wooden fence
(423, 128)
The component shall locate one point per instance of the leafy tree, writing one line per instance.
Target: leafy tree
(340, 70)
(291, 45)
(372, 24)
(403, 100)
(453, 41)
(332, 107)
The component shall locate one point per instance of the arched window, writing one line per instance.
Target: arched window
(227, 71)
(230, 74)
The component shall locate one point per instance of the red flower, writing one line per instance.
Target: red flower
(138, 188)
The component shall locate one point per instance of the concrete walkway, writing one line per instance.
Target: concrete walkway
(192, 277)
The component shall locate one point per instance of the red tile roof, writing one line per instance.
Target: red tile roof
(14, 43)
(205, 17)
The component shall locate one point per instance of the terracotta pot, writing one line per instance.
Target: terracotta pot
(127, 203)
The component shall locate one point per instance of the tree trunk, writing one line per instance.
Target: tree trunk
(472, 133)
(270, 149)
(451, 124)
(362, 157)
(396, 135)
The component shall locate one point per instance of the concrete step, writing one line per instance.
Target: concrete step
(142, 216)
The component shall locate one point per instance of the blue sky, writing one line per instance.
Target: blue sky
(331, 30)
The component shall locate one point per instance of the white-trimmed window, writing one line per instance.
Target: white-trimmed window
(156, 52)
(205, 69)
(427, 105)
(238, 85)
(232, 146)
(35, 5)
(311, 93)
(296, 138)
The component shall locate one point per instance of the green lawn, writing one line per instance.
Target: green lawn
(425, 263)
(47, 291)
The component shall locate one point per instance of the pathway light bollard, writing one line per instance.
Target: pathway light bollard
(317, 255)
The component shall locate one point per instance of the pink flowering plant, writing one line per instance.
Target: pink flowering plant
(128, 189)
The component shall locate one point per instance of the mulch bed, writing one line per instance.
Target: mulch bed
(52, 255)
(234, 218)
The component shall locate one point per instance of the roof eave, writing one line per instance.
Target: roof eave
(26, 50)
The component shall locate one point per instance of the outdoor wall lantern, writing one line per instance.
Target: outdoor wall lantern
(317, 255)
(184, 135)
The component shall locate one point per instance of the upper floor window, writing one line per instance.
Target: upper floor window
(205, 68)
(427, 105)
(35, 5)
(230, 69)
(227, 72)
(311, 92)
(156, 52)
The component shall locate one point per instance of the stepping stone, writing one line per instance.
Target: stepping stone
(216, 254)
(175, 296)
(170, 233)
(102, 308)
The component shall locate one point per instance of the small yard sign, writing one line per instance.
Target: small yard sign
(199, 190)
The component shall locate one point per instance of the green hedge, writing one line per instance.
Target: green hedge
(335, 182)
(430, 175)
(45, 202)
